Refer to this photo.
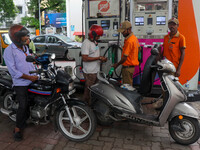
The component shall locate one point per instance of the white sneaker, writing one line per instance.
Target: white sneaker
(127, 87)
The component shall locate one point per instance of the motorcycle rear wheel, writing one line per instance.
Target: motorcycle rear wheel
(191, 130)
(7, 100)
(9, 104)
(84, 123)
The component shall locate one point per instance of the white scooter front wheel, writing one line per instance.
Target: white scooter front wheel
(185, 131)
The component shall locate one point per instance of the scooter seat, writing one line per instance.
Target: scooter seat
(134, 98)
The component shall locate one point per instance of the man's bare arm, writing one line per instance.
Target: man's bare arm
(177, 74)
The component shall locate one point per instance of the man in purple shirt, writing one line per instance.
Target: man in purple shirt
(15, 59)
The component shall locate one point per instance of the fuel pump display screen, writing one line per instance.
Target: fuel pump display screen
(160, 20)
(139, 21)
(91, 23)
(105, 24)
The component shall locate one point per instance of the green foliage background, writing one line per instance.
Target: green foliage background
(7, 10)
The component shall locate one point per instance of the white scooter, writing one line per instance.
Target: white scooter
(113, 103)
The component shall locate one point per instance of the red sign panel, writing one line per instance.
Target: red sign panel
(103, 6)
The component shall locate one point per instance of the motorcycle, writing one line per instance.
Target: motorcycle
(125, 104)
(49, 100)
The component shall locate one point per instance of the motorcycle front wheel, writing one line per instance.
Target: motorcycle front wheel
(190, 130)
(84, 123)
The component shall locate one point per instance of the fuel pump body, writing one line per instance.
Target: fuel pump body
(150, 25)
(108, 14)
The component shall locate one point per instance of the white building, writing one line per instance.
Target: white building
(74, 17)
(23, 11)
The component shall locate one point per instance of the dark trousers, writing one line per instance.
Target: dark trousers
(23, 109)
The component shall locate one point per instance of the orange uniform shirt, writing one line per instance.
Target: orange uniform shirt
(172, 47)
(130, 49)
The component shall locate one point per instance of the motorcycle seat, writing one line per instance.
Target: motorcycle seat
(134, 98)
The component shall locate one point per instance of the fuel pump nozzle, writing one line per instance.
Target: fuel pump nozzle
(111, 71)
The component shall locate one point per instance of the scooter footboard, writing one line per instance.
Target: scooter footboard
(185, 110)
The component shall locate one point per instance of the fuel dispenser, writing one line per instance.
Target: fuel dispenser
(108, 14)
(149, 24)
(104, 13)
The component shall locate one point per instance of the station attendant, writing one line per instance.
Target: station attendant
(129, 58)
(174, 46)
(91, 59)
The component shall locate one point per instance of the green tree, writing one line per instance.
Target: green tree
(45, 5)
(7, 10)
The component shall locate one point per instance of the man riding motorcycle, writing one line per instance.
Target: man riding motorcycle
(15, 59)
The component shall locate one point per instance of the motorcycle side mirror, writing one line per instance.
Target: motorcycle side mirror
(30, 58)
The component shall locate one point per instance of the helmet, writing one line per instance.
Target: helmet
(166, 66)
(95, 30)
(16, 32)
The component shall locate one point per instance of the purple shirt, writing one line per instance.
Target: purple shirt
(15, 60)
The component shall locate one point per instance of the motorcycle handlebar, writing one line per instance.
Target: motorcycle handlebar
(37, 71)
(31, 72)
(57, 67)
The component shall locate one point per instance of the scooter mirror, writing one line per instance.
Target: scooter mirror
(154, 51)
